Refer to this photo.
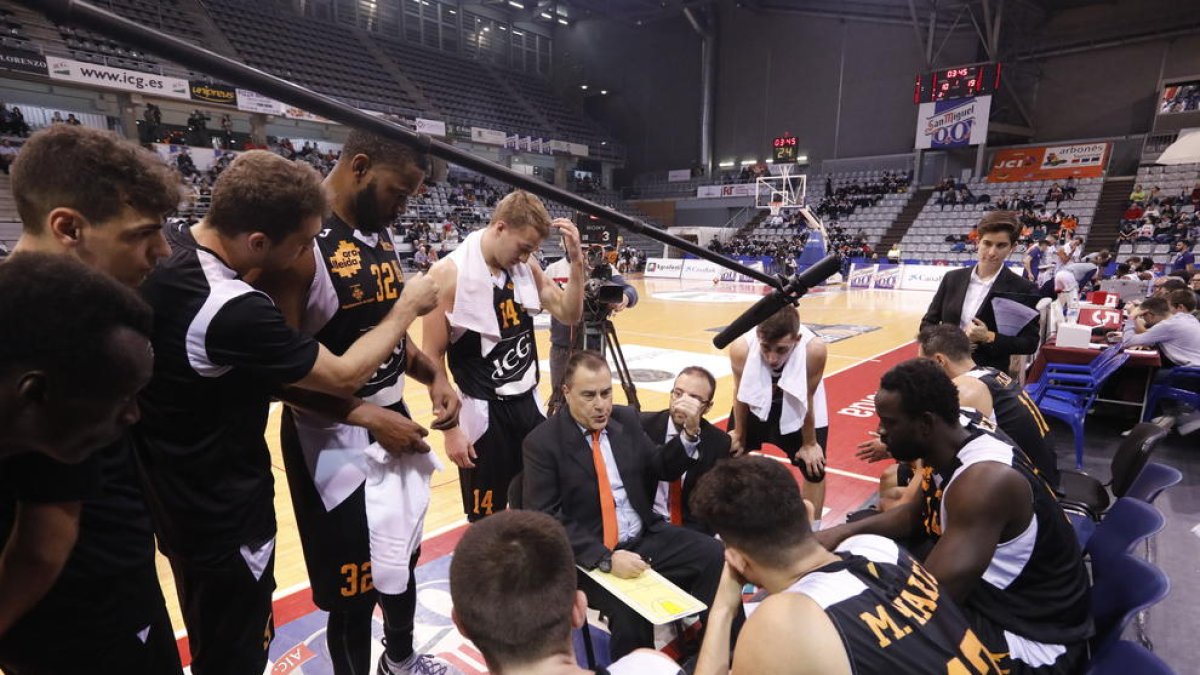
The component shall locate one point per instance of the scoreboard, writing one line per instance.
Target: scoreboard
(958, 82)
(783, 149)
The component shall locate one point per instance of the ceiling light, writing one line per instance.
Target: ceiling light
(564, 22)
(604, 92)
(546, 15)
(749, 162)
(583, 87)
(516, 4)
(802, 158)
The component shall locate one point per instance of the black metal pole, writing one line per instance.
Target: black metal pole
(100, 20)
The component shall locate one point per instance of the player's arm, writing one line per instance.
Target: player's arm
(41, 541)
(565, 303)
(441, 393)
(289, 288)
(810, 451)
(741, 412)
(896, 523)
(435, 341)
(974, 394)
(986, 498)
(343, 375)
(393, 431)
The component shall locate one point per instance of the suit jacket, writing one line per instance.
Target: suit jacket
(714, 446)
(946, 307)
(560, 478)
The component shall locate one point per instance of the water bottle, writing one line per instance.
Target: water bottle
(1073, 309)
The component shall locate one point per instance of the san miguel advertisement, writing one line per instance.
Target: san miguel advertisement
(953, 124)
(1081, 160)
(211, 92)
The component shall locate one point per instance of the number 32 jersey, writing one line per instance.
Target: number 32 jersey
(357, 281)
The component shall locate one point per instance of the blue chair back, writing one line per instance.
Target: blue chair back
(1151, 482)
(1128, 658)
(1084, 527)
(1131, 586)
(1128, 523)
(591, 647)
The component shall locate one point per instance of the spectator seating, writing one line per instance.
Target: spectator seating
(1175, 183)
(926, 239)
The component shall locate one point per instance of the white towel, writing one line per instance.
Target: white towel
(397, 497)
(755, 387)
(333, 453)
(473, 308)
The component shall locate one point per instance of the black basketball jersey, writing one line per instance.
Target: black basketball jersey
(511, 367)
(1035, 586)
(221, 349)
(891, 614)
(1021, 419)
(357, 281)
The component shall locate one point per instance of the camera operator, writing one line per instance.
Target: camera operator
(566, 339)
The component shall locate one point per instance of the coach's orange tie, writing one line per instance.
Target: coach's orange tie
(608, 506)
(675, 501)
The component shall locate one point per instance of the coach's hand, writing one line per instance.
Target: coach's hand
(691, 409)
(872, 450)
(420, 294)
(459, 449)
(446, 403)
(396, 433)
(628, 565)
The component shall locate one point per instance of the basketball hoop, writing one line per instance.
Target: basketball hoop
(775, 207)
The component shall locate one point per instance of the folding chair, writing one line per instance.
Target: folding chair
(1067, 391)
(1089, 494)
(1129, 586)
(1181, 384)
(1128, 523)
(1151, 482)
(1128, 658)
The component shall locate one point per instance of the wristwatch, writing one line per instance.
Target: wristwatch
(605, 564)
(685, 435)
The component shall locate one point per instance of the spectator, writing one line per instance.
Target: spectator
(8, 153)
(1138, 195)
(1069, 188)
(56, 118)
(1055, 194)
(72, 120)
(1183, 260)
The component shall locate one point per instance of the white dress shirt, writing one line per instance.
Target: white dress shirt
(977, 290)
(629, 523)
(662, 504)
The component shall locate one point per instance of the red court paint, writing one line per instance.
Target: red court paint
(851, 417)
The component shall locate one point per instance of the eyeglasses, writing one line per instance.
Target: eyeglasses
(677, 393)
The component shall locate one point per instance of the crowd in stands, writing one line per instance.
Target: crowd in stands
(12, 121)
(1154, 216)
(842, 201)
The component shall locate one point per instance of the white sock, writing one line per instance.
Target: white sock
(816, 524)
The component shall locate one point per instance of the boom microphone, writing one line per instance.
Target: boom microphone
(778, 299)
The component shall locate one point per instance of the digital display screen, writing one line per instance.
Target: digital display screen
(958, 82)
(783, 149)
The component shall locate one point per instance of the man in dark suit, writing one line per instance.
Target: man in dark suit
(671, 497)
(965, 295)
(588, 466)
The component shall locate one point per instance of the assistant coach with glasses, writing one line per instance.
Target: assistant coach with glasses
(588, 466)
(671, 497)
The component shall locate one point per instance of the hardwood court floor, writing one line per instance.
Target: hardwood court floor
(671, 317)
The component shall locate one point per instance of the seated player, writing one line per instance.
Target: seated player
(513, 585)
(866, 608)
(1001, 545)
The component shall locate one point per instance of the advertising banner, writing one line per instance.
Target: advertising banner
(953, 124)
(664, 268)
(487, 136)
(211, 92)
(735, 190)
(887, 276)
(1081, 160)
(431, 127)
(730, 275)
(922, 277)
(679, 175)
(254, 102)
(694, 268)
(22, 60)
(861, 276)
(94, 75)
(1180, 97)
(577, 149)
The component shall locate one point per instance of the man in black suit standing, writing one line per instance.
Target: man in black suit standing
(671, 497)
(588, 466)
(965, 295)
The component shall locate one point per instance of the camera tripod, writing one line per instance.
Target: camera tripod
(601, 336)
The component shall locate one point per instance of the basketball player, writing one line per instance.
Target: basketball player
(865, 608)
(1014, 412)
(483, 327)
(341, 291)
(222, 350)
(513, 586)
(778, 371)
(1002, 546)
(87, 194)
